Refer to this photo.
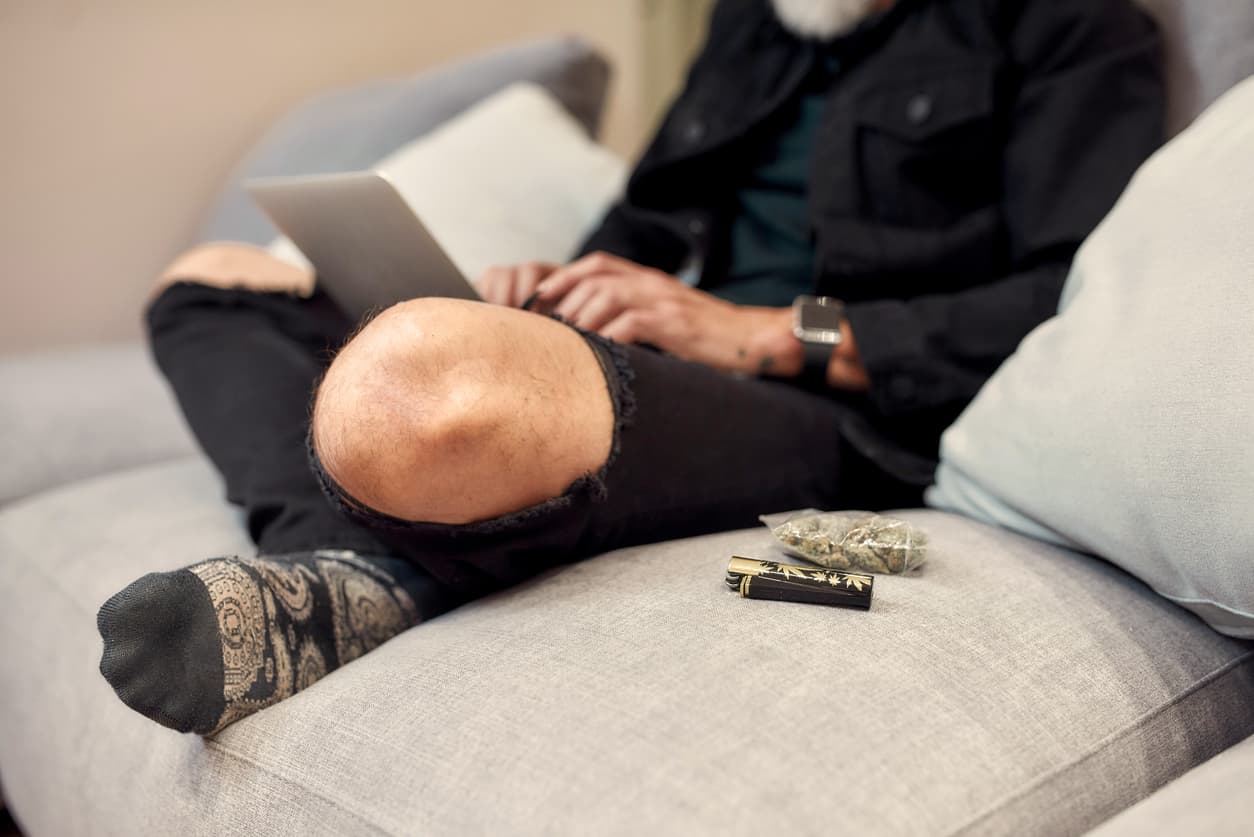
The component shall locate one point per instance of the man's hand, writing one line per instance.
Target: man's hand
(512, 285)
(633, 304)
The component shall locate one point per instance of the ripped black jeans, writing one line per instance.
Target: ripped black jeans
(695, 450)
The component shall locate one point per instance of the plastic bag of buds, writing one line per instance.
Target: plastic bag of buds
(851, 540)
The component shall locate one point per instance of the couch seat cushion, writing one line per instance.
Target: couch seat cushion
(1010, 687)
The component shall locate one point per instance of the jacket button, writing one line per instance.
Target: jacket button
(694, 131)
(697, 227)
(919, 108)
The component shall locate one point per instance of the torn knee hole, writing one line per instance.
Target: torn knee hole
(233, 266)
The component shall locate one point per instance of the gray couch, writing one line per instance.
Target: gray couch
(1012, 687)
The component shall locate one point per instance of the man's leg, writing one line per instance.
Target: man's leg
(489, 444)
(243, 364)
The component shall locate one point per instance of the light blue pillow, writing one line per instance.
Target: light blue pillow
(350, 129)
(1124, 426)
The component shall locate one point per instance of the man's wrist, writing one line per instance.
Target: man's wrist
(779, 353)
(782, 354)
(845, 369)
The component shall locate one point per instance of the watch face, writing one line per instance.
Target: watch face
(814, 317)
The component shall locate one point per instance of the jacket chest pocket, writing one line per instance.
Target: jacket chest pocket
(928, 147)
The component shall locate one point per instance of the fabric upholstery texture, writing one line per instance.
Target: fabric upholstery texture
(514, 178)
(1011, 687)
(1213, 799)
(1143, 381)
(75, 413)
(352, 128)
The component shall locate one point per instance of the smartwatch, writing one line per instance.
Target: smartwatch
(816, 323)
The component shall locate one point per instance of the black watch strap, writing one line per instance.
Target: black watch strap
(816, 358)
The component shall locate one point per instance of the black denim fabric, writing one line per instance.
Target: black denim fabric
(695, 450)
(242, 365)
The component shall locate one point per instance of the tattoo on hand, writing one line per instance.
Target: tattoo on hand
(765, 364)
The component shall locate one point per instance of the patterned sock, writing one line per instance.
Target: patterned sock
(199, 648)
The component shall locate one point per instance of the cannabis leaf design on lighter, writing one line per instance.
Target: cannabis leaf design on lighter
(786, 570)
(791, 572)
(854, 582)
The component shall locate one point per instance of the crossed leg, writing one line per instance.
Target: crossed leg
(467, 447)
(408, 404)
(488, 444)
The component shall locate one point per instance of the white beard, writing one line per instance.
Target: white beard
(822, 19)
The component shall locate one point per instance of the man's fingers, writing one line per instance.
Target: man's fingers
(632, 326)
(572, 303)
(512, 285)
(561, 281)
(606, 303)
(526, 277)
(494, 285)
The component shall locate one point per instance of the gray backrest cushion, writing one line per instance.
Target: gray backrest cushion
(352, 128)
(1210, 47)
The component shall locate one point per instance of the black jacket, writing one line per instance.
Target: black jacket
(967, 148)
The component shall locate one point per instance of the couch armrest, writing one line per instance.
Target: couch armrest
(75, 413)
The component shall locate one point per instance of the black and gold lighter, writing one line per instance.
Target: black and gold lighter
(792, 583)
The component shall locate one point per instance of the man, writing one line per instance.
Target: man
(931, 164)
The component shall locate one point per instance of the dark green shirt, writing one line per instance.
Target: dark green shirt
(771, 247)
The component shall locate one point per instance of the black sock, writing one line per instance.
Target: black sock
(199, 648)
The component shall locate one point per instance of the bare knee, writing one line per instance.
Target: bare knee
(226, 264)
(450, 411)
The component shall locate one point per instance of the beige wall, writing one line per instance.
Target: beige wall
(121, 118)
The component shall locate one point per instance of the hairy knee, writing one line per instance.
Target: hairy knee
(231, 265)
(451, 411)
(395, 402)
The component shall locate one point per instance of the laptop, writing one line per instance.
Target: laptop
(368, 248)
